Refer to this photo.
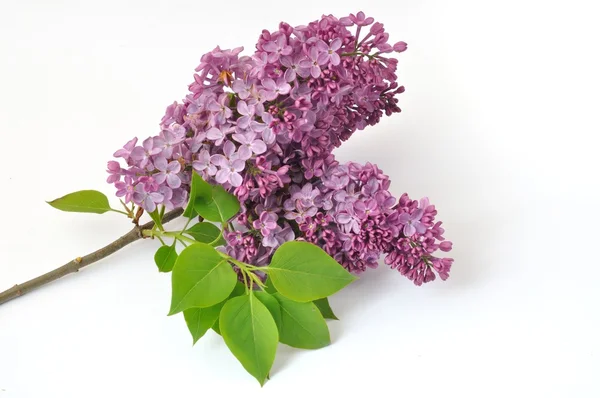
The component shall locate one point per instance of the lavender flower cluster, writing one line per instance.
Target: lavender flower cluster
(265, 126)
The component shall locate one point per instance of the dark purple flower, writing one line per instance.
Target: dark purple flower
(249, 145)
(328, 52)
(125, 189)
(167, 171)
(348, 220)
(147, 200)
(242, 88)
(247, 112)
(412, 223)
(277, 48)
(216, 134)
(127, 148)
(313, 63)
(366, 208)
(308, 226)
(114, 169)
(278, 236)
(358, 19)
(272, 89)
(168, 139)
(149, 183)
(294, 68)
(400, 47)
(203, 163)
(266, 223)
(230, 165)
(142, 154)
(220, 108)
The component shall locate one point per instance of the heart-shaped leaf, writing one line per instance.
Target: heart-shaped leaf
(325, 308)
(219, 207)
(206, 232)
(165, 258)
(303, 272)
(201, 278)
(199, 320)
(198, 189)
(251, 334)
(272, 305)
(302, 325)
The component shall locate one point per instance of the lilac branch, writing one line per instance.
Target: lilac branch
(75, 265)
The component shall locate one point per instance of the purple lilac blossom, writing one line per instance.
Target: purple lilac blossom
(265, 126)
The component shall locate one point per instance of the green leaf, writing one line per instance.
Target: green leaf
(303, 272)
(269, 288)
(82, 202)
(201, 278)
(199, 188)
(325, 309)
(302, 325)
(165, 258)
(199, 320)
(220, 206)
(156, 217)
(206, 232)
(237, 291)
(272, 305)
(251, 334)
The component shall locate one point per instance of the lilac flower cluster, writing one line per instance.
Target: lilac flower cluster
(265, 126)
(350, 213)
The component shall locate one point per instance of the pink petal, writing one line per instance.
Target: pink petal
(243, 122)
(360, 206)
(174, 166)
(336, 44)
(343, 218)
(270, 47)
(198, 165)
(138, 153)
(160, 163)
(268, 136)
(214, 134)
(259, 147)
(290, 75)
(235, 179)
(242, 108)
(409, 230)
(160, 178)
(323, 58)
(149, 205)
(335, 59)
(238, 164)
(219, 160)
(269, 84)
(229, 148)
(420, 227)
(244, 152)
(321, 45)
(222, 176)
(417, 215)
(173, 181)
(241, 138)
(315, 71)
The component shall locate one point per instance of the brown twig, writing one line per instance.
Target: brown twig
(80, 262)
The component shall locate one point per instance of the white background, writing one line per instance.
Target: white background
(499, 128)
